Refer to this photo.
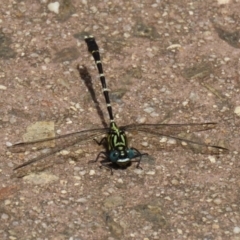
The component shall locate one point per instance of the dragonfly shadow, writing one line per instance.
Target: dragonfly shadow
(87, 79)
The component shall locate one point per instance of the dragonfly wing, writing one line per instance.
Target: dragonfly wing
(56, 141)
(63, 142)
(195, 146)
(171, 129)
(54, 150)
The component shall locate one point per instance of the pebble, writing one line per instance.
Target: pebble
(93, 9)
(236, 230)
(154, 114)
(9, 144)
(4, 216)
(217, 201)
(212, 159)
(81, 200)
(7, 202)
(226, 59)
(54, 7)
(138, 171)
(92, 172)
(2, 87)
(223, 1)
(120, 180)
(237, 110)
(174, 46)
(173, 141)
(215, 226)
(184, 143)
(64, 152)
(150, 173)
(141, 120)
(179, 231)
(82, 173)
(175, 182)
(163, 140)
(148, 109)
(144, 144)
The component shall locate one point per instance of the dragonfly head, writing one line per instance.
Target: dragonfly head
(122, 157)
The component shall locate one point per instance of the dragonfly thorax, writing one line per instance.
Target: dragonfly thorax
(118, 148)
(117, 139)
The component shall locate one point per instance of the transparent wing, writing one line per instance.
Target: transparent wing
(55, 144)
(171, 129)
(167, 131)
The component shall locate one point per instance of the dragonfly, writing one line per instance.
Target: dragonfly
(117, 150)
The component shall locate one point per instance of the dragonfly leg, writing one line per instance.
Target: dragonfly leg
(103, 163)
(98, 156)
(106, 165)
(139, 156)
(102, 141)
(138, 163)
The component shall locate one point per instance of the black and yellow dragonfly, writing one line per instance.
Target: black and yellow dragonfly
(117, 149)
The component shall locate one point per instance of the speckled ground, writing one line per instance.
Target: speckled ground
(165, 61)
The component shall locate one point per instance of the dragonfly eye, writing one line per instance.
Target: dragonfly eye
(130, 153)
(114, 156)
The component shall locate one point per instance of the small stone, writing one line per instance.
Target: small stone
(148, 110)
(54, 7)
(144, 144)
(92, 172)
(81, 200)
(2, 87)
(174, 46)
(168, 198)
(212, 159)
(226, 59)
(236, 230)
(179, 231)
(173, 141)
(4, 216)
(150, 173)
(7, 202)
(163, 140)
(223, 1)
(93, 9)
(215, 226)
(120, 180)
(82, 173)
(126, 35)
(175, 182)
(237, 110)
(141, 120)
(9, 144)
(44, 68)
(138, 171)
(64, 152)
(184, 143)
(217, 201)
